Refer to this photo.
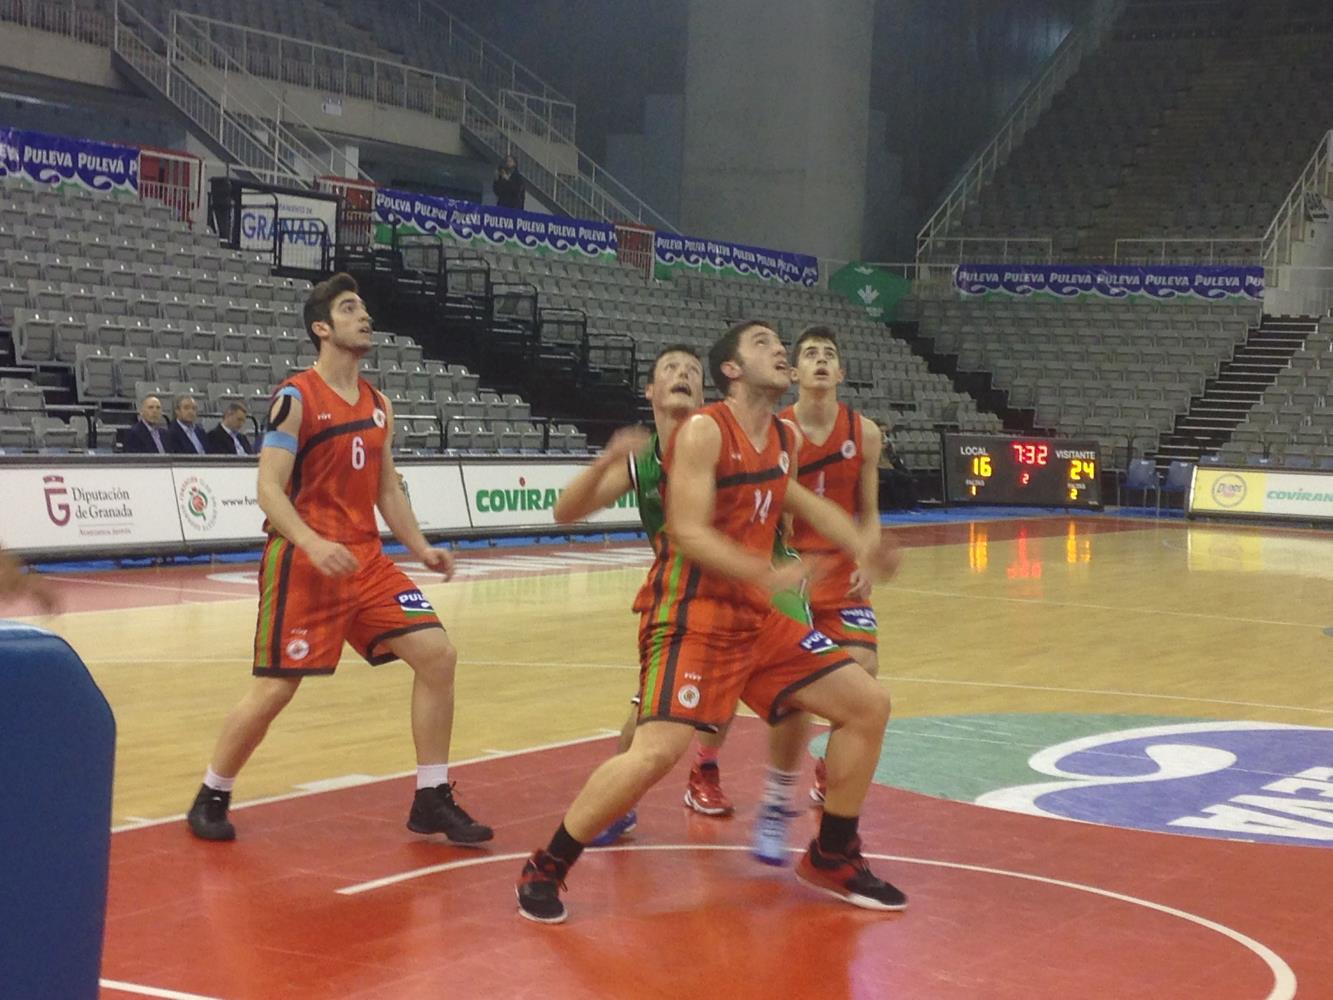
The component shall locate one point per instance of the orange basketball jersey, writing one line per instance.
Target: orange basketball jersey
(336, 479)
(751, 489)
(831, 470)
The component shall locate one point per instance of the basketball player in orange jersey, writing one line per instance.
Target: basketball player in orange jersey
(839, 461)
(325, 466)
(632, 460)
(711, 636)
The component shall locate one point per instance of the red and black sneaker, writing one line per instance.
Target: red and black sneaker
(704, 792)
(539, 888)
(849, 878)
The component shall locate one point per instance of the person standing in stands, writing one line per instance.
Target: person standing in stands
(326, 465)
(184, 436)
(509, 187)
(148, 435)
(226, 438)
(711, 636)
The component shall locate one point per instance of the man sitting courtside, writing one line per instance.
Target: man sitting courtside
(148, 435)
(226, 438)
(184, 435)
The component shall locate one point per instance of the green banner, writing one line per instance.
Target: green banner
(876, 290)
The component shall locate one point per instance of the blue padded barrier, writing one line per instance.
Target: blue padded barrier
(57, 750)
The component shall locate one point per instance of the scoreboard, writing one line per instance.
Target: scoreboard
(1043, 472)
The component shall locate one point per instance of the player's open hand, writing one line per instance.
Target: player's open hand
(439, 561)
(627, 441)
(880, 559)
(861, 583)
(331, 558)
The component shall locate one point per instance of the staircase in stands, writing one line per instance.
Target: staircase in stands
(1239, 385)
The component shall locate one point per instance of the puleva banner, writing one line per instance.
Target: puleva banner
(1213, 282)
(672, 253)
(56, 160)
(468, 222)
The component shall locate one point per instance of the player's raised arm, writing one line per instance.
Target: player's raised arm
(277, 459)
(692, 493)
(605, 481)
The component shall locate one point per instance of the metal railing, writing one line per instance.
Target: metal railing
(272, 121)
(491, 68)
(60, 17)
(253, 136)
(989, 250)
(1288, 225)
(511, 120)
(1298, 291)
(1033, 102)
(1188, 250)
(332, 70)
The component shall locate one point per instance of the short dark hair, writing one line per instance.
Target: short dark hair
(817, 332)
(671, 349)
(233, 406)
(319, 303)
(725, 350)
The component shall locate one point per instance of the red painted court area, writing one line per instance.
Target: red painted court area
(328, 895)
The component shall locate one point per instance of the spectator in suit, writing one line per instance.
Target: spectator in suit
(226, 438)
(184, 436)
(148, 435)
(509, 186)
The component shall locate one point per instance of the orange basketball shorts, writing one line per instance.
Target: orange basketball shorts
(690, 675)
(305, 617)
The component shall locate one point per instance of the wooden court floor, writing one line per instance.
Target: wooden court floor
(1000, 639)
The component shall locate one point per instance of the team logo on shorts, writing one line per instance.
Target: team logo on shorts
(413, 602)
(859, 619)
(848, 449)
(298, 649)
(379, 417)
(817, 642)
(688, 696)
(784, 461)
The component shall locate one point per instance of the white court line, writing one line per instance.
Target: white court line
(229, 594)
(1116, 609)
(1284, 979)
(149, 991)
(904, 678)
(601, 734)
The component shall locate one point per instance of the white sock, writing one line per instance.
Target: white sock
(217, 782)
(432, 775)
(779, 788)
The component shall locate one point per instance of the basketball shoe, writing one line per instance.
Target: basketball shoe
(538, 889)
(848, 877)
(435, 811)
(208, 815)
(704, 792)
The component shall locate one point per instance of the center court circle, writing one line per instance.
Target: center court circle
(1284, 979)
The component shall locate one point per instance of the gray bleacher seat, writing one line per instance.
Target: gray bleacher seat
(94, 372)
(52, 432)
(14, 433)
(34, 336)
